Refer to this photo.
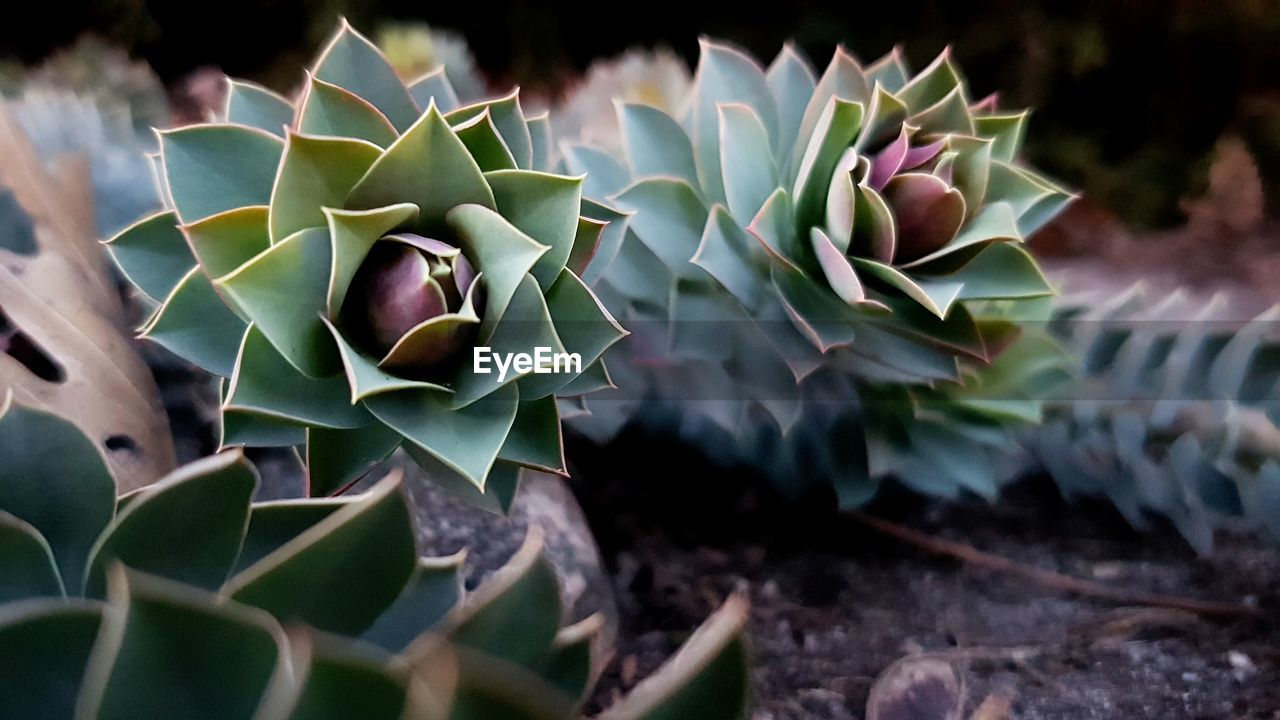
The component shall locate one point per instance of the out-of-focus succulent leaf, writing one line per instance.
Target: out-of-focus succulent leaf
(29, 566)
(434, 588)
(46, 646)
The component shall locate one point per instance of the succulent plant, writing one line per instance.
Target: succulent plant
(185, 599)
(338, 259)
(657, 77)
(1175, 411)
(806, 257)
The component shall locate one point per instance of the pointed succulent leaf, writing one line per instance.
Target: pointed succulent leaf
(586, 241)
(505, 253)
(368, 545)
(750, 175)
(352, 62)
(256, 106)
(535, 440)
(583, 326)
(485, 143)
(330, 111)
(30, 569)
(223, 242)
(284, 291)
(434, 86)
(605, 177)
(834, 131)
(731, 256)
(428, 166)
(655, 144)
(266, 384)
(434, 589)
(935, 296)
(843, 80)
(544, 207)
(194, 324)
(611, 238)
(841, 276)
(187, 527)
(669, 219)
(55, 480)
(344, 680)
(352, 234)
(948, 115)
(337, 458)
(821, 318)
(885, 116)
(274, 523)
(1003, 270)
(515, 614)
(213, 168)
(724, 75)
(466, 439)
(167, 635)
(247, 429)
(508, 118)
(791, 82)
(932, 84)
(153, 254)
(890, 71)
(316, 172)
(365, 379)
(706, 678)
(540, 138)
(1006, 132)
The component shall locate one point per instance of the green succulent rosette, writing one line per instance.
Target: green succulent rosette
(338, 258)
(816, 262)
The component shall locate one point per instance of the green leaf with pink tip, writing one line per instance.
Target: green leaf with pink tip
(834, 132)
(948, 115)
(586, 241)
(746, 161)
(525, 326)
(841, 276)
(330, 111)
(316, 172)
(1006, 132)
(535, 440)
(544, 207)
(434, 87)
(669, 217)
(336, 458)
(731, 256)
(583, 326)
(932, 84)
(283, 292)
(935, 296)
(842, 80)
(508, 118)
(890, 71)
(352, 234)
(429, 167)
(195, 324)
(351, 62)
(1002, 270)
(465, 439)
(265, 383)
(213, 168)
(364, 377)
(498, 249)
(724, 75)
(256, 106)
(485, 143)
(655, 144)
(153, 254)
(791, 82)
(223, 242)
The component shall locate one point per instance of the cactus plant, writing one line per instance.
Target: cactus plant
(338, 259)
(1174, 413)
(185, 599)
(822, 269)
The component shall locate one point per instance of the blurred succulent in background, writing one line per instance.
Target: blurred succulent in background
(1175, 413)
(588, 114)
(339, 260)
(93, 100)
(184, 599)
(828, 267)
(415, 49)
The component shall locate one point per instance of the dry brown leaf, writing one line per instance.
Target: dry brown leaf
(61, 305)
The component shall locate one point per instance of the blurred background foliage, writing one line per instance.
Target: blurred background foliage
(1131, 96)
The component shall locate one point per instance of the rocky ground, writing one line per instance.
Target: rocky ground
(835, 604)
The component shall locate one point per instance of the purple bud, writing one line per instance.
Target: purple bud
(393, 292)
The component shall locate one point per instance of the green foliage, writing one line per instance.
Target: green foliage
(1174, 412)
(339, 257)
(194, 602)
(826, 274)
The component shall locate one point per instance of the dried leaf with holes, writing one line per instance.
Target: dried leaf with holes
(64, 346)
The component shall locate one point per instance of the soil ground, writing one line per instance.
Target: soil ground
(835, 604)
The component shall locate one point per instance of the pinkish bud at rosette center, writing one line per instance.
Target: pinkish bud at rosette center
(411, 287)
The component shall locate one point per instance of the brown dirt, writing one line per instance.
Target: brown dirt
(835, 603)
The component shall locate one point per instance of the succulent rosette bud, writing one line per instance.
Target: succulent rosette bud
(858, 235)
(340, 258)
